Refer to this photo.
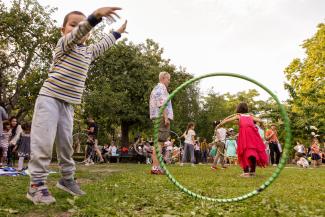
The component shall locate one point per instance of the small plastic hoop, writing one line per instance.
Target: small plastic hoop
(267, 183)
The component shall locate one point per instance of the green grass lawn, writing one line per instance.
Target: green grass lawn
(129, 190)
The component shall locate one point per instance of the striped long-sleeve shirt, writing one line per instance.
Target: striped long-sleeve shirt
(66, 79)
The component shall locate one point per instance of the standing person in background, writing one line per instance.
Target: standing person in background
(271, 136)
(315, 153)
(261, 131)
(16, 130)
(23, 145)
(4, 142)
(189, 143)
(197, 151)
(3, 117)
(204, 150)
(158, 97)
(231, 147)
(220, 140)
(92, 127)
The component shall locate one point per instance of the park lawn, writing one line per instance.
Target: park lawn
(129, 190)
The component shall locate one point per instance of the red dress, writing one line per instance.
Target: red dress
(250, 143)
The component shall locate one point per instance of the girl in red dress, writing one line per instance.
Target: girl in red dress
(251, 149)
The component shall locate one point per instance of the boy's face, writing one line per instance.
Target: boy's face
(73, 21)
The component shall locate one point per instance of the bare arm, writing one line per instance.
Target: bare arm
(236, 117)
(257, 119)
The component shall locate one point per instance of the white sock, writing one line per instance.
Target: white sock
(20, 163)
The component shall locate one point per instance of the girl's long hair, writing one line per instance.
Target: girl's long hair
(13, 129)
(189, 125)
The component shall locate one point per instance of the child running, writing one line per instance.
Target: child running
(53, 113)
(250, 149)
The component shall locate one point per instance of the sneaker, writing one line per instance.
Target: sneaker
(213, 167)
(182, 164)
(274, 165)
(39, 194)
(193, 165)
(70, 186)
(157, 172)
(245, 175)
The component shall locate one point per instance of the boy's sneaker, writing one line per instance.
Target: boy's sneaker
(213, 167)
(157, 172)
(39, 194)
(70, 186)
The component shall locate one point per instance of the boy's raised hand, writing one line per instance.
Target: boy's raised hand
(106, 12)
(122, 28)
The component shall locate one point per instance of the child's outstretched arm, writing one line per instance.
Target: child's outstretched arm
(236, 117)
(67, 42)
(257, 119)
(107, 41)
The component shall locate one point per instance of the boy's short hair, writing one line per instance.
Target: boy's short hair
(163, 74)
(65, 20)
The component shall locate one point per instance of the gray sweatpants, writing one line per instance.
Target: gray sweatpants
(52, 123)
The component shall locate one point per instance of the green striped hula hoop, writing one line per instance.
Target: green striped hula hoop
(267, 183)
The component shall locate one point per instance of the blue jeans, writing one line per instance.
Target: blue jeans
(188, 150)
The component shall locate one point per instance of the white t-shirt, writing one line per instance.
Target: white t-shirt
(168, 145)
(189, 136)
(300, 148)
(112, 150)
(221, 134)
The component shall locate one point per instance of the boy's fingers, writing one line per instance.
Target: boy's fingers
(112, 12)
(110, 18)
(115, 8)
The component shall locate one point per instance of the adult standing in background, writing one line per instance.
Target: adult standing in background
(16, 130)
(3, 116)
(158, 96)
(271, 136)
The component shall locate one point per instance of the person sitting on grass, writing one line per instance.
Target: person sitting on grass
(300, 151)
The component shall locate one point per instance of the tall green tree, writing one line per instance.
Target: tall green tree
(216, 106)
(306, 85)
(120, 83)
(27, 38)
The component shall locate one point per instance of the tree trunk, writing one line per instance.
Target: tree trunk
(125, 134)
